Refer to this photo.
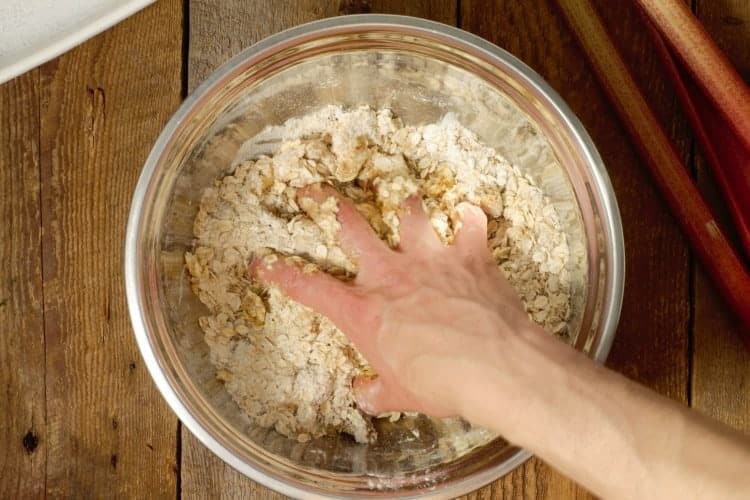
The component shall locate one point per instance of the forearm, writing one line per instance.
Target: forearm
(610, 434)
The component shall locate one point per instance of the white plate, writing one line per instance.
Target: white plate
(35, 31)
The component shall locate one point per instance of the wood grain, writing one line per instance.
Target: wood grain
(219, 30)
(23, 441)
(109, 434)
(721, 364)
(652, 341)
(80, 417)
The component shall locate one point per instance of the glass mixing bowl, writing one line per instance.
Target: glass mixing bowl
(421, 70)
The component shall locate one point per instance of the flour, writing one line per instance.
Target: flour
(291, 368)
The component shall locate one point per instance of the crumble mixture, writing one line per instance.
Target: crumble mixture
(289, 367)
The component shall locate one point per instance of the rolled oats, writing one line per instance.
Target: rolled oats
(289, 367)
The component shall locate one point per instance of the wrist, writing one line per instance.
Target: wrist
(512, 383)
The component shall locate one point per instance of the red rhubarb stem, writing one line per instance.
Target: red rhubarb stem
(703, 59)
(728, 158)
(712, 247)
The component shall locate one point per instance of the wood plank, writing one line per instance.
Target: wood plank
(109, 432)
(652, 340)
(23, 438)
(721, 364)
(219, 30)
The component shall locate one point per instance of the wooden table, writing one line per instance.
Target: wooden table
(80, 417)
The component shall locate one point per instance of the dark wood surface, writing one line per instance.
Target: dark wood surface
(23, 427)
(80, 416)
(101, 105)
(720, 375)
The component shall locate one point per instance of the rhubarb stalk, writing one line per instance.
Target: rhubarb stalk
(728, 158)
(708, 65)
(672, 178)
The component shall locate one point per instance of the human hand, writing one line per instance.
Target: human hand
(449, 337)
(426, 316)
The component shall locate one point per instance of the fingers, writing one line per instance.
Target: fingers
(415, 229)
(471, 238)
(306, 284)
(356, 237)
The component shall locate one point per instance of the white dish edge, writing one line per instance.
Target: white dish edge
(67, 41)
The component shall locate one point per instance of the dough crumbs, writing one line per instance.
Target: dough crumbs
(289, 367)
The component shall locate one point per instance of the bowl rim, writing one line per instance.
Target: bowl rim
(614, 286)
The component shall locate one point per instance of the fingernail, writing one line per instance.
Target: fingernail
(269, 260)
(366, 393)
(462, 207)
(261, 263)
(311, 191)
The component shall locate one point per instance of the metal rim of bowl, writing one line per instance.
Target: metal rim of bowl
(600, 179)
